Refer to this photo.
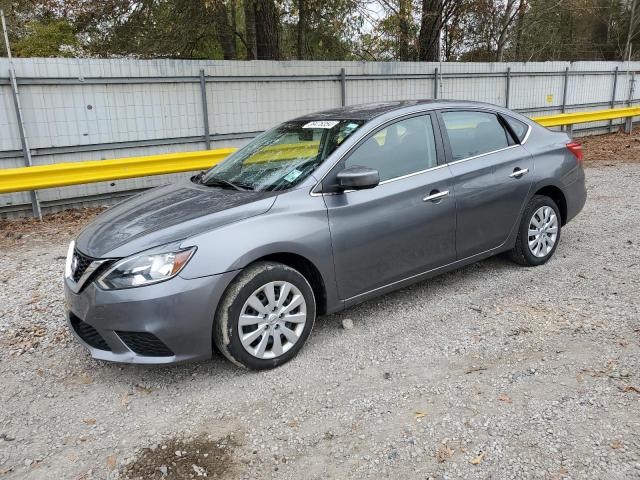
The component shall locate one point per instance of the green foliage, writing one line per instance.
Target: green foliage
(475, 30)
(151, 29)
(574, 30)
(330, 29)
(52, 38)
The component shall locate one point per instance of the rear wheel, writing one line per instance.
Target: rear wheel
(539, 232)
(265, 316)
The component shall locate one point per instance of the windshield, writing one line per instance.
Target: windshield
(281, 157)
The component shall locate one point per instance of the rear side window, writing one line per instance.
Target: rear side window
(405, 147)
(518, 127)
(474, 133)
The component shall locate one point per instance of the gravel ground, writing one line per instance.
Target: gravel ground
(493, 371)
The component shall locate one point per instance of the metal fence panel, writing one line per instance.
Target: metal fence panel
(92, 109)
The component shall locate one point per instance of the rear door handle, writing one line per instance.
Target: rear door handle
(435, 195)
(517, 173)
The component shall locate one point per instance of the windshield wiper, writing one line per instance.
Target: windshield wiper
(197, 178)
(219, 182)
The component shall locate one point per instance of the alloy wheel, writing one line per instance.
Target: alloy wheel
(543, 231)
(272, 320)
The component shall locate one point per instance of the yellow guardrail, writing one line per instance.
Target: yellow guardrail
(585, 117)
(64, 174)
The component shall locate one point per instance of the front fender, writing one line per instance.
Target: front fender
(296, 224)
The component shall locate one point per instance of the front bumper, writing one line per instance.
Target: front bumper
(177, 314)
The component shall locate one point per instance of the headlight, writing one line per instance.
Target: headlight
(145, 269)
(68, 268)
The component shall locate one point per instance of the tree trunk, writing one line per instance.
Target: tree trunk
(267, 30)
(600, 30)
(224, 31)
(505, 23)
(233, 11)
(430, 28)
(403, 40)
(250, 28)
(566, 47)
(522, 8)
(630, 32)
(302, 28)
(447, 44)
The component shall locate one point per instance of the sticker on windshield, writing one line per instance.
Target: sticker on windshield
(321, 124)
(292, 175)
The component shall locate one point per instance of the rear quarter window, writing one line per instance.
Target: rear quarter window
(518, 127)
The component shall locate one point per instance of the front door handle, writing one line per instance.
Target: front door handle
(435, 195)
(519, 172)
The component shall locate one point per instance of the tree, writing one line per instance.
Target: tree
(428, 30)
(404, 22)
(249, 10)
(301, 29)
(631, 30)
(267, 20)
(224, 18)
(319, 30)
(54, 38)
(456, 30)
(435, 14)
(520, 25)
(507, 16)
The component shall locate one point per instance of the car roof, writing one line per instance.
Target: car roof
(368, 111)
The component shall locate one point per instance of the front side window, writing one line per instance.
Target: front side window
(281, 157)
(474, 133)
(402, 148)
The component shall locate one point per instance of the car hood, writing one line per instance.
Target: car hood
(167, 214)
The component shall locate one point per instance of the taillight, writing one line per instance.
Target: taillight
(576, 149)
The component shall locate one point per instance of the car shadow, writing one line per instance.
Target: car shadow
(328, 326)
(428, 288)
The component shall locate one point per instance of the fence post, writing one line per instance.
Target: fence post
(508, 87)
(205, 110)
(343, 87)
(26, 151)
(564, 95)
(435, 84)
(564, 89)
(613, 95)
(629, 123)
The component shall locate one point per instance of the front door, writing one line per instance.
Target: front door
(405, 225)
(491, 176)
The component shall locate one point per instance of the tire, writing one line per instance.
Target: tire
(272, 336)
(540, 252)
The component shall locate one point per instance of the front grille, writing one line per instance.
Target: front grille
(82, 263)
(146, 344)
(89, 334)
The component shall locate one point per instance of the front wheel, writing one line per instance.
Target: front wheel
(265, 316)
(539, 232)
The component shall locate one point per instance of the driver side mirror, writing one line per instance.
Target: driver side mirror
(358, 178)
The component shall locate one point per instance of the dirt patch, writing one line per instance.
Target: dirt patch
(52, 227)
(612, 148)
(24, 339)
(177, 459)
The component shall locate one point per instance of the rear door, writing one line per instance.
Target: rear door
(491, 174)
(405, 225)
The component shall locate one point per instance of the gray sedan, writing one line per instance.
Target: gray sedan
(311, 217)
